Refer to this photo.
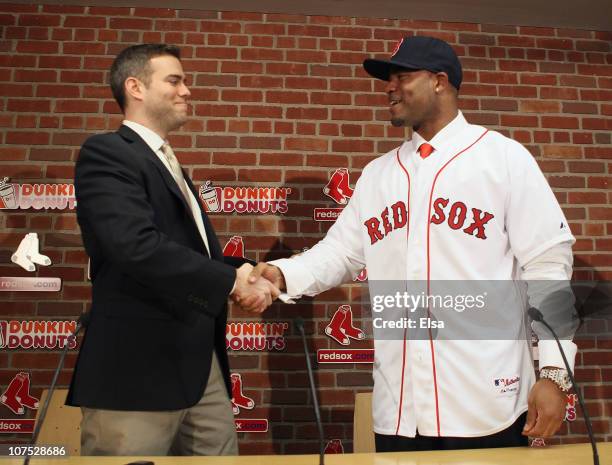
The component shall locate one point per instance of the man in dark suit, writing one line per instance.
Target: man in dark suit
(152, 376)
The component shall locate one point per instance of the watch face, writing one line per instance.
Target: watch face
(566, 382)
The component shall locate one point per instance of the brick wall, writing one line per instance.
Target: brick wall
(282, 100)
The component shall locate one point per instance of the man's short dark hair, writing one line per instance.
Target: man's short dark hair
(134, 62)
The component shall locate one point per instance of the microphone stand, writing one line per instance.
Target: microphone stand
(81, 323)
(536, 315)
(299, 323)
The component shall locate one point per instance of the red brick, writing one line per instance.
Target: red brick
(259, 175)
(131, 23)
(598, 152)
(241, 96)
(75, 139)
(560, 122)
(56, 62)
(558, 93)
(597, 70)
(39, 154)
(216, 110)
(216, 141)
(499, 104)
(37, 47)
(599, 182)
(84, 48)
(260, 142)
(16, 90)
(281, 159)
(351, 115)
(29, 105)
(287, 68)
(538, 106)
(561, 151)
(287, 97)
(252, 111)
(316, 31)
(305, 144)
(261, 54)
(307, 113)
(521, 121)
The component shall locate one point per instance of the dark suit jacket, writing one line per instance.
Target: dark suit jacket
(159, 305)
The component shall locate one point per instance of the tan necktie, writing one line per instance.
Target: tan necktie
(175, 169)
(177, 174)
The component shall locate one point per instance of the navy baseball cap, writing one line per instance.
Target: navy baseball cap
(416, 53)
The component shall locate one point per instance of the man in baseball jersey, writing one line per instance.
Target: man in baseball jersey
(455, 202)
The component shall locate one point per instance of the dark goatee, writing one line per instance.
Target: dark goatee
(398, 122)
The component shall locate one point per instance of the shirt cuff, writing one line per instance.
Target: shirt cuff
(297, 279)
(551, 357)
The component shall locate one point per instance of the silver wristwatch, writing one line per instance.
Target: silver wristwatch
(557, 376)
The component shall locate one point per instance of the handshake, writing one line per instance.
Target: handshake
(257, 287)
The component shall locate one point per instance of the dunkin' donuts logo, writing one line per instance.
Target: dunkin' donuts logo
(251, 336)
(244, 199)
(37, 334)
(36, 196)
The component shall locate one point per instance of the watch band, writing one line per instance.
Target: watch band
(558, 376)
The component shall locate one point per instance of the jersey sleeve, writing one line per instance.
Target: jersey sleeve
(534, 220)
(336, 259)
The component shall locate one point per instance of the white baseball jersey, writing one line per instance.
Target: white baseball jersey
(478, 208)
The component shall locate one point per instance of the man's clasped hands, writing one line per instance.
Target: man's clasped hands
(257, 286)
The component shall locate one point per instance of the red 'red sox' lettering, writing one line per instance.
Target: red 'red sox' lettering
(457, 215)
(397, 220)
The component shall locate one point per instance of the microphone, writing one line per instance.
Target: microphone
(536, 315)
(82, 322)
(299, 323)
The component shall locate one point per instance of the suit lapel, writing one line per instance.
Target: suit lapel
(141, 146)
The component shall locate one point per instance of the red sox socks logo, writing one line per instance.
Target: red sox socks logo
(396, 217)
(17, 394)
(27, 254)
(239, 400)
(234, 247)
(338, 187)
(341, 328)
(334, 446)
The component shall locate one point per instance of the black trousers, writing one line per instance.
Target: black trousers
(510, 437)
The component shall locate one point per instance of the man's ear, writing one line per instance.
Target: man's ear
(441, 82)
(134, 88)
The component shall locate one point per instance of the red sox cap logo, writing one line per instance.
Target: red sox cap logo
(341, 328)
(338, 187)
(17, 395)
(397, 47)
(239, 400)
